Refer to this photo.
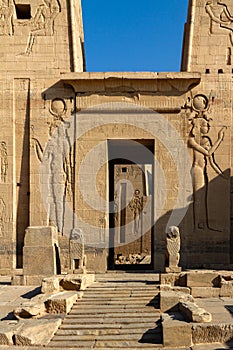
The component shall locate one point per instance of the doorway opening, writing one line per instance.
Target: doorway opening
(131, 198)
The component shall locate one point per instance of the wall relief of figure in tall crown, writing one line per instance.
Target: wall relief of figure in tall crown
(203, 148)
(42, 23)
(220, 17)
(6, 17)
(56, 159)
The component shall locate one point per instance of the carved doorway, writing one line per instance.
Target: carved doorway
(131, 188)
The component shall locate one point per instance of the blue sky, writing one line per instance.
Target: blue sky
(133, 35)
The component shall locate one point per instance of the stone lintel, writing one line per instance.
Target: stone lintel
(130, 81)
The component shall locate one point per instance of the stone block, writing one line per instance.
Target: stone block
(39, 261)
(37, 332)
(193, 313)
(29, 310)
(61, 303)
(71, 282)
(205, 292)
(50, 285)
(203, 279)
(176, 333)
(169, 300)
(226, 289)
(7, 330)
(43, 236)
(39, 251)
(210, 333)
(169, 278)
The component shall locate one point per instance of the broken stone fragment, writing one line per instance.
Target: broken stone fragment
(7, 330)
(29, 310)
(71, 283)
(50, 285)
(61, 303)
(192, 312)
(37, 332)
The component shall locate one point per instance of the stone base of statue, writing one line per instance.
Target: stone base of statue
(173, 269)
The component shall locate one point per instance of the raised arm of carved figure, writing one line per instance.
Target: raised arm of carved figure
(211, 14)
(207, 152)
(227, 13)
(38, 149)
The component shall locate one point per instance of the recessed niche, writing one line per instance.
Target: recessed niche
(23, 11)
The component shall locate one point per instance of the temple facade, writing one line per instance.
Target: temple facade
(111, 161)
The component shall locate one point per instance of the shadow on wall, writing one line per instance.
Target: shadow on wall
(205, 230)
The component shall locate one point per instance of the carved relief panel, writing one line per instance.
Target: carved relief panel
(132, 200)
(204, 148)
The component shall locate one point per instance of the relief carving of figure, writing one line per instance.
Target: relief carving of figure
(6, 17)
(57, 158)
(42, 23)
(203, 156)
(4, 161)
(136, 205)
(220, 17)
(173, 249)
(2, 216)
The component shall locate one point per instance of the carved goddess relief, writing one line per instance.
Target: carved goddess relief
(4, 161)
(203, 156)
(220, 17)
(58, 159)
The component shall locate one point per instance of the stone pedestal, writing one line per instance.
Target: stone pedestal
(40, 250)
(40, 255)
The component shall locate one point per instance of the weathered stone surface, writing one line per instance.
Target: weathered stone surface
(71, 283)
(176, 333)
(203, 279)
(205, 292)
(50, 285)
(226, 288)
(39, 246)
(169, 278)
(61, 303)
(29, 310)
(192, 312)
(7, 330)
(37, 332)
(211, 333)
(167, 287)
(169, 300)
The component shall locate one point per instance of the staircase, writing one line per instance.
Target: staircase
(119, 311)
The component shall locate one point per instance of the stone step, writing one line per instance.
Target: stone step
(119, 311)
(113, 315)
(118, 295)
(105, 344)
(113, 307)
(126, 284)
(106, 331)
(99, 326)
(114, 337)
(104, 320)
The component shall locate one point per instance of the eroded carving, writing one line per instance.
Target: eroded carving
(220, 17)
(173, 249)
(203, 156)
(77, 257)
(6, 17)
(57, 159)
(42, 24)
(2, 216)
(136, 205)
(4, 161)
